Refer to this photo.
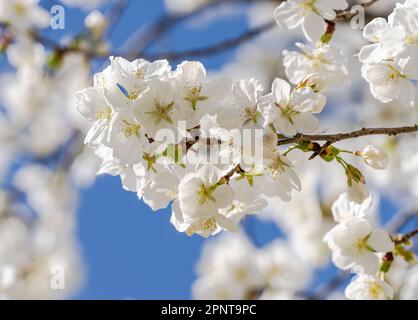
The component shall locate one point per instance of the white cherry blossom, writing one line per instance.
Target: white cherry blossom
(24, 14)
(388, 83)
(403, 37)
(291, 112)
(158, 109)
(374, 157)
(309, 14)
(200, 197)
(325, 62)
(368, 287)
(243, 111)
(126, 138)
(93, 106)
(275, 177)
(343, 209)
(163, 189)
(197, 94)
(124, 82)
(354, 244)
(374, 31)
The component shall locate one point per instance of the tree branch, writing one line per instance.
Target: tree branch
(147, 38)
(115, 14)
(213, 49)
(332, 138)
(348, 13)
(323, 291)
(406, 237)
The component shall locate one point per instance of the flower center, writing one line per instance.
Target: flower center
(272, 272)
(150, 160)
(317, 63)
(412, 39)
(375, 39)
(20, 9)
(139, 74)
(130, 129)
(241, 273)
(207, 226)
(276, 167)
(393, 76)
(308, 5)
(134, 94)
(317, 60)
(162, 112)
(103, 114)
(287, 111)
(251, 114)
(362, 245)
(375, 290)
(205, 194)
(193, 95)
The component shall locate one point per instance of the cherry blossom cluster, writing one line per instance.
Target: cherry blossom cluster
(390, 61)
(153, 123)
(358, 246)
(323, 61)
(206, 146)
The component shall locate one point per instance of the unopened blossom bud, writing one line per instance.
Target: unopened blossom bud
(357, 189)
(96, 22)
(374, 156)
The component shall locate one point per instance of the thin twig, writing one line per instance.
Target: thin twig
(158, 29)
(115, 14)
(349, 13)
(332, 138)
(402, 217)
(333, 284)
(406, 237)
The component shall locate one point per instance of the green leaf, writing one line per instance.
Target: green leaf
(55, 60)
(326, 38)
(385, 266)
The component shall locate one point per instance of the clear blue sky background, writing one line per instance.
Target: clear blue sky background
(131, 252)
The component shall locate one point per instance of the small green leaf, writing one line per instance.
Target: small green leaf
(55, 60)
(385, 266)
(326, 38)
